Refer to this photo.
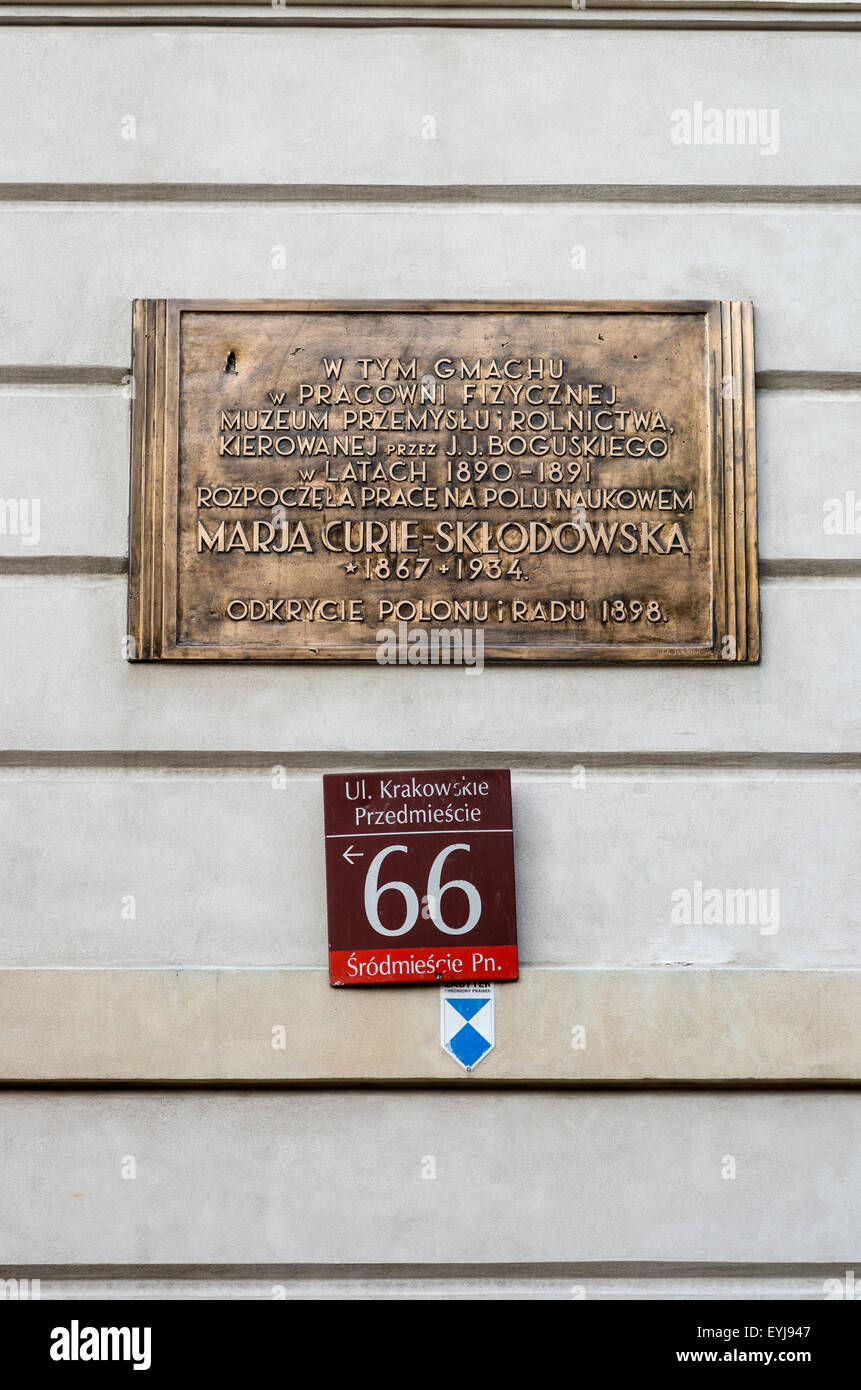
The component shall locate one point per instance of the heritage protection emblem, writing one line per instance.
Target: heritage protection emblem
(467, 1022)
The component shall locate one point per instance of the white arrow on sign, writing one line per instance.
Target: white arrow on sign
(350, 854)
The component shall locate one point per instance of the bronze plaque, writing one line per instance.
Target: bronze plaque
(408, 482)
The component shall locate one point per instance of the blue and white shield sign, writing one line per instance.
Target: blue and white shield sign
(467, 1022)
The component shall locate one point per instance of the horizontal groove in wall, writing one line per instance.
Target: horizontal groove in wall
(594, 1269)
(15, 762)
(62, 375)
(816, 18)
(474, 6)
(846, 568)
(247, 1087)
(685, 194)
(808, 381)
(59, 565)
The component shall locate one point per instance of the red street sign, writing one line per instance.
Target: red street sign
(420, 877)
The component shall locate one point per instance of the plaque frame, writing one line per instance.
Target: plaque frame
(153, 516)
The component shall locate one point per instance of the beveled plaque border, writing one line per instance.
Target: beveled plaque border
(157, 325)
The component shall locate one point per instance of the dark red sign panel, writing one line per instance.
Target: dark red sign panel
(420, 877)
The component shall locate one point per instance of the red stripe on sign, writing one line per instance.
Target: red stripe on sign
(422, 965)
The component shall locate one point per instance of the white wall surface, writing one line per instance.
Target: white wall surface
(68, 273)
(335, 1177)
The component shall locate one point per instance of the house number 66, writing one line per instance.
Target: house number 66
(436, 890)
